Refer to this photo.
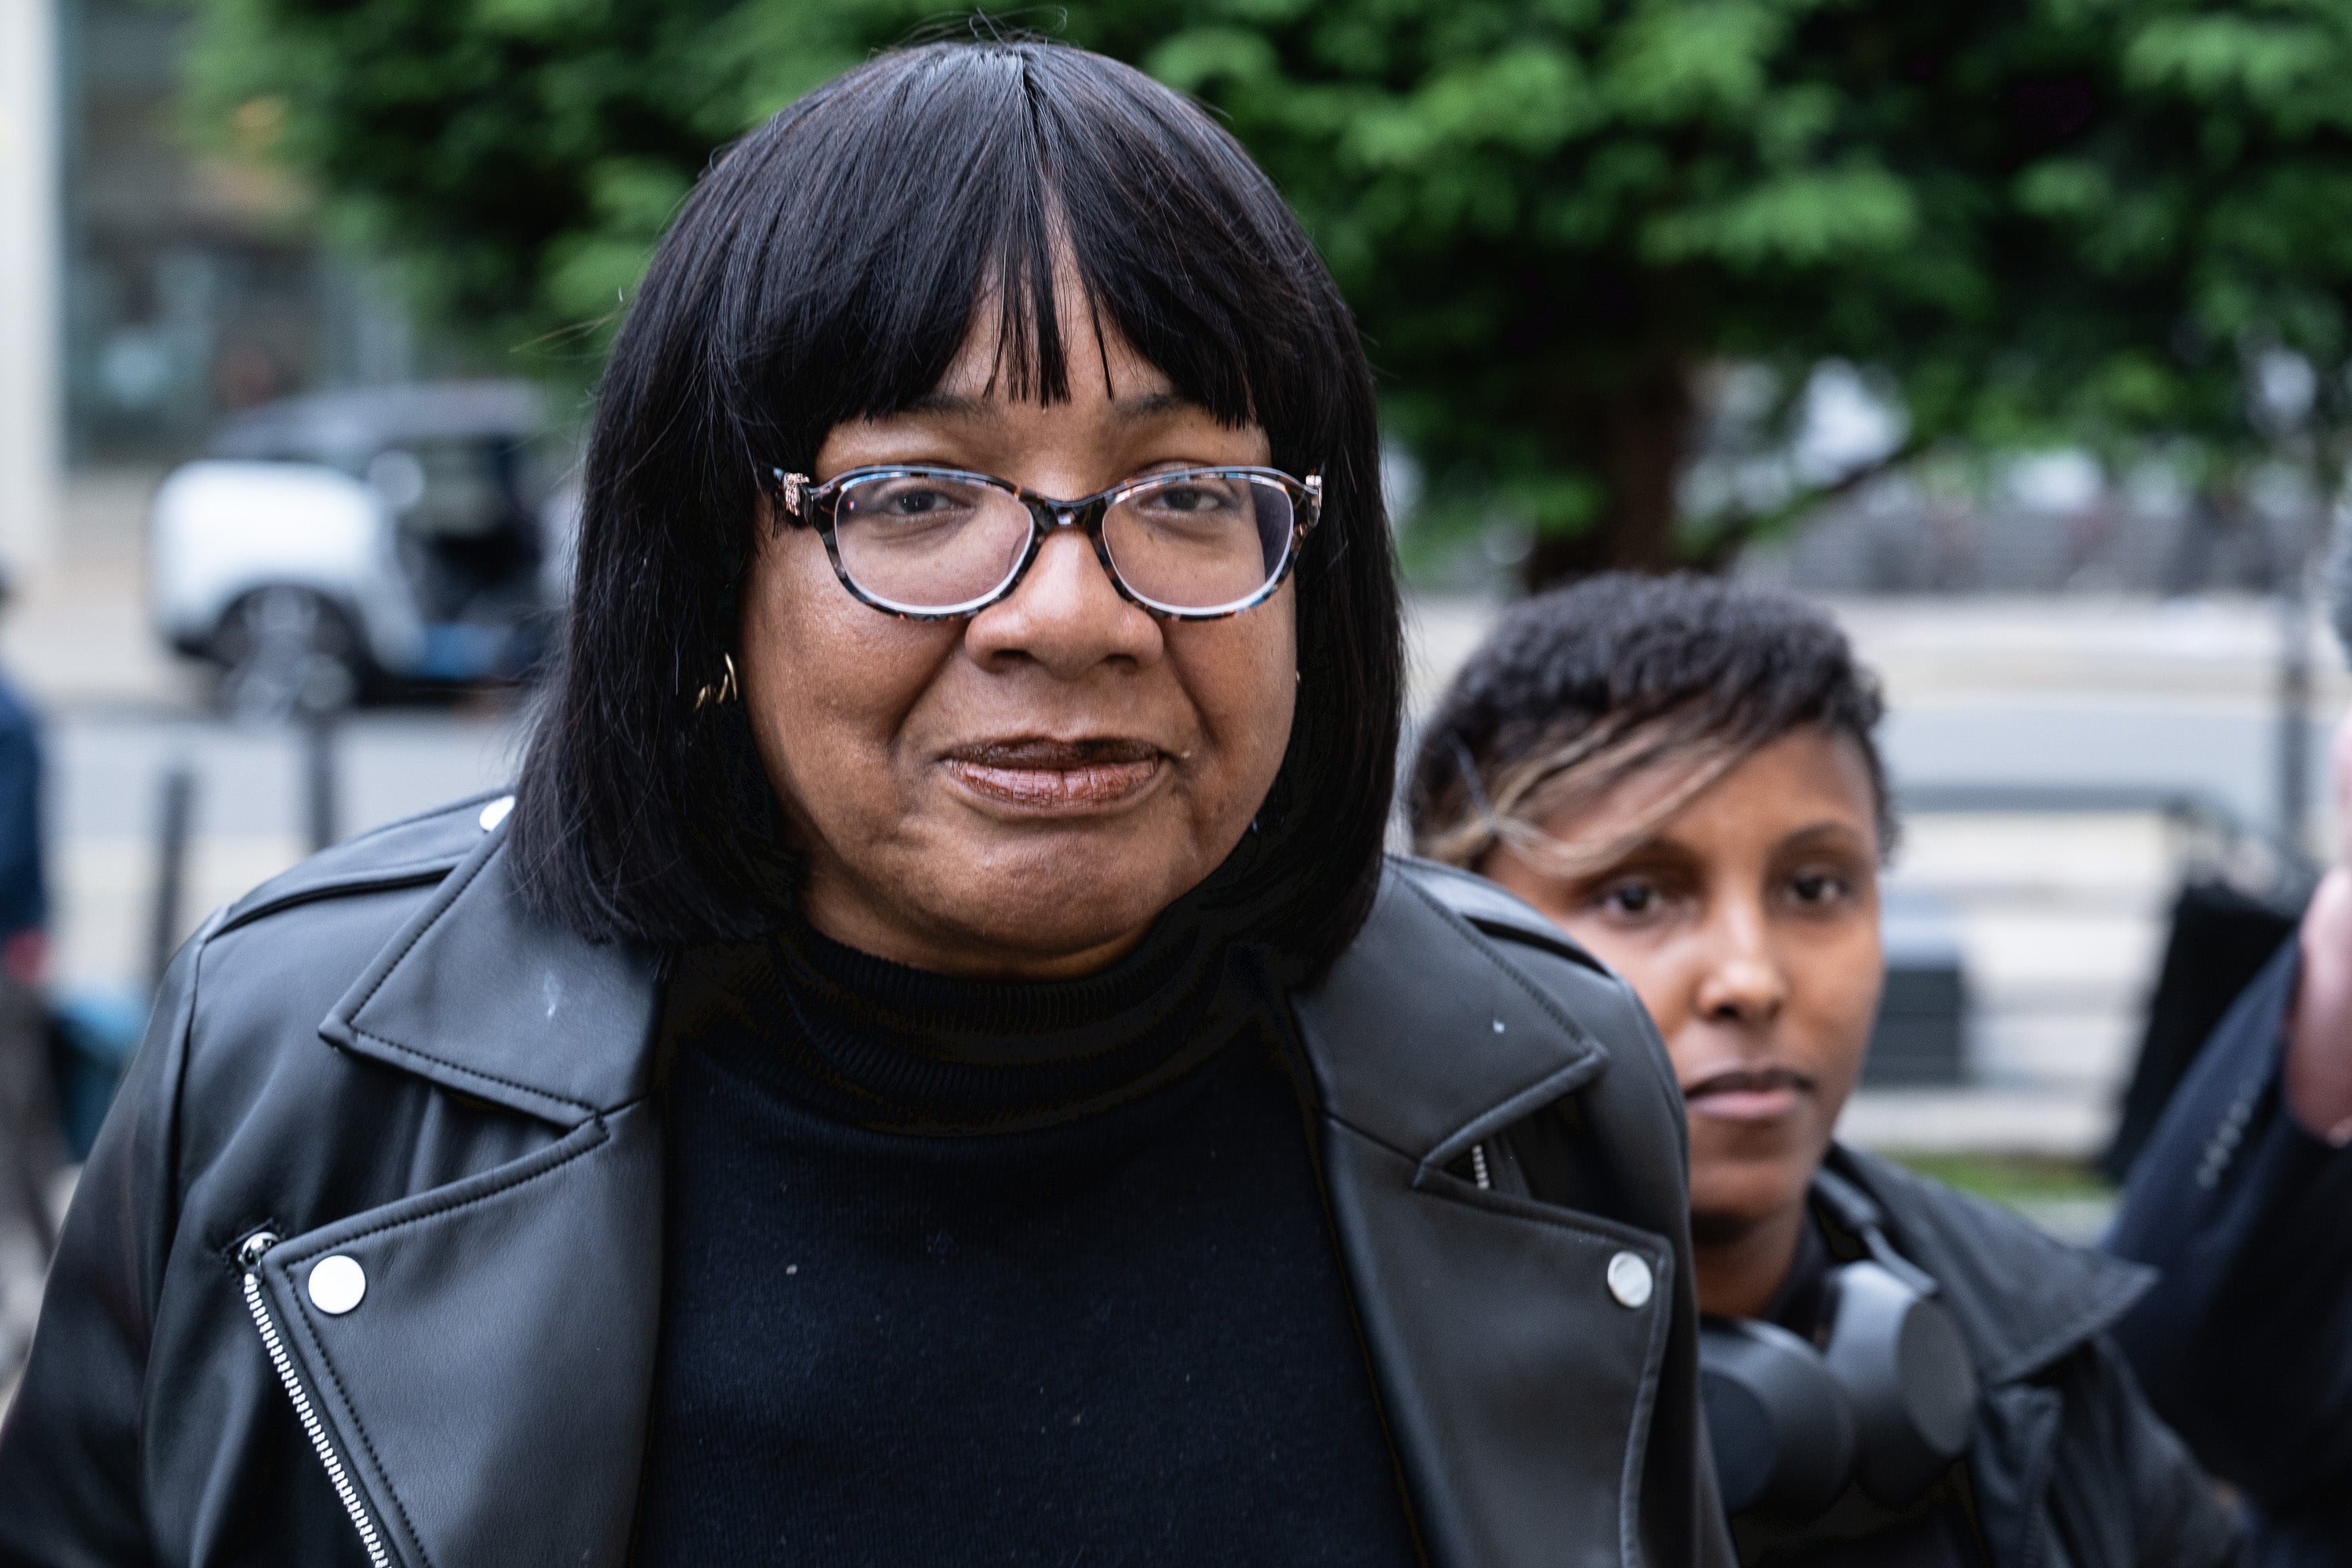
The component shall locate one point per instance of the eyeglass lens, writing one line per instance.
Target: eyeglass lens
(933, 542)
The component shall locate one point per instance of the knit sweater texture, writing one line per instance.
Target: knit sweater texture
(968, 1272)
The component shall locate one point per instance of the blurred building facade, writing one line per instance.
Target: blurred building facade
(31, 435)
(2053, 525)
(195, 279)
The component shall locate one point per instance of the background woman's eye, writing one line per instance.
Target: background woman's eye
(1817, 888)
(1634, 899)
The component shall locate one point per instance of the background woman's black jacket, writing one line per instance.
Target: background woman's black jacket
(383, 1055)
(2071, 1468)
(2245, 1344)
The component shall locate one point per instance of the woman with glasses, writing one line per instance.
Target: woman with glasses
(929, 1066)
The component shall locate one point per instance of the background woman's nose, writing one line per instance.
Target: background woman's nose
(1067, 614)
(1741, 981)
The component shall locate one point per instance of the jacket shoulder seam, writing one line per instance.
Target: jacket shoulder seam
(384, 879)
(410, 872)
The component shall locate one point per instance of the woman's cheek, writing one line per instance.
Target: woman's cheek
(1844, 983)
(1242, 676)
(829, 683)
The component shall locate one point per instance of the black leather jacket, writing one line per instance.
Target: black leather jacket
(382, 1057)
(2069, 1465)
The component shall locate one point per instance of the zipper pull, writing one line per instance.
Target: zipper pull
(250, 1250)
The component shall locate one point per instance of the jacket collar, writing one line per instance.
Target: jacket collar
(482, 995)
(2024, 1300)
(1427, 1039)
(1428, 1069)
(428, 1006)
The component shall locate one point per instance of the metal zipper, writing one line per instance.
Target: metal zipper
(250, 1256)
(1478, 1166)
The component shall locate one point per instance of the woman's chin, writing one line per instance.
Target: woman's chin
(1028, 927)
(1732, 1193)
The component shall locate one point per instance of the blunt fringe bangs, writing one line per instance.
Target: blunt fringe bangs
(1622, 670)
(829, 267)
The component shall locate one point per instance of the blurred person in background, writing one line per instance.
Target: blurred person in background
(931, 1066)
(31, 1145)
(2243, 1198)
(1684, 777)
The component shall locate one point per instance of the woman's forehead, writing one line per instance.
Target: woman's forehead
(1801, 782)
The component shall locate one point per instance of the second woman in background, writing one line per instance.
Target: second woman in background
(1684, 777)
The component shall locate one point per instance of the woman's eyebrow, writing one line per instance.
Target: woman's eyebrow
(966, 405)
(1651, 850)
(1150, 404)
(1805, 838)
(955, 405)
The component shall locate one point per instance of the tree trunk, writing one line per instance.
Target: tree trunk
(1643, 426)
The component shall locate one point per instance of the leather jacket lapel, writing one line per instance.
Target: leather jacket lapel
(1516, 1383)
(547, 1472)
(539, 1278)
(481, 996)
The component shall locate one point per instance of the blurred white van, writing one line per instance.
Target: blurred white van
(335, 546)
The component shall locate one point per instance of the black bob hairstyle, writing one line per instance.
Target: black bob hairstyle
(829, 267)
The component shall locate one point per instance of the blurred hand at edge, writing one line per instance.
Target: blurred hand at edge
(2319, 1029)
(25, 957)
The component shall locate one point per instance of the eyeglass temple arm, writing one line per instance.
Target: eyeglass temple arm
(793, 489)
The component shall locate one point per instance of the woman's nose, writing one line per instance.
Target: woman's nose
(1065, 615)
(1742, 982)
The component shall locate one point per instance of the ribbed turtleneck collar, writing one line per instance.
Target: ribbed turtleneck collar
(879, 1044)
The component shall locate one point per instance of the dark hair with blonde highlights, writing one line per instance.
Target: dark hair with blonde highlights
(1580, 689)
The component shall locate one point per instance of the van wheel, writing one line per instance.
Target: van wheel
(287, 653)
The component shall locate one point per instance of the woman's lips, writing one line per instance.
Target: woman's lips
(1058, 776)
(1748, 1094)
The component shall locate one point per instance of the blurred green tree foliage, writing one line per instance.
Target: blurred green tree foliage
(2037, 220)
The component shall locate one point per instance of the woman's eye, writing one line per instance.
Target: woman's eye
(915, 502)
(1189, 499)
(1814, 888)
(1632, 901)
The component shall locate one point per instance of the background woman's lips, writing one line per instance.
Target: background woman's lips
(1056, 775)
(1749, 1094)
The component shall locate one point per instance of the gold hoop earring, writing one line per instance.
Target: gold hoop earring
(722, 689)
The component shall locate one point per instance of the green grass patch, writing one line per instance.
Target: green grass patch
(2011, 1178)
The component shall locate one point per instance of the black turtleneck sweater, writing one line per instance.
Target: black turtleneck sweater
(961, 1272)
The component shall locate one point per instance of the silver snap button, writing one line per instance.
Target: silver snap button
(1629, 1280)
(496, 812)
(337, 1284)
